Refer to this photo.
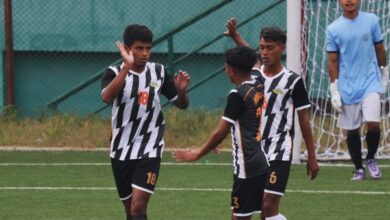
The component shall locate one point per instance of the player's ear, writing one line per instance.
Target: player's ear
(227, 68)
(282, 46)
(229, 71)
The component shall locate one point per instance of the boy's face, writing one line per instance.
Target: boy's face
(350, 5)
(270, 52)
(141, 52)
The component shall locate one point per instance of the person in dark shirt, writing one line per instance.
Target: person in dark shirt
(242, 117)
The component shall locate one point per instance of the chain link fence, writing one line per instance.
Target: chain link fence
(61, 48)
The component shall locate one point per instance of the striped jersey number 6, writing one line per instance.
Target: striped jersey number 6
(143, 98)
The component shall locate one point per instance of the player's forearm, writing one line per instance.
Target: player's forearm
(182, 100)
(239, 40)
(307, 132)
(211, 143)
(308, 137)
(333, 67)
(113, 89)
(381, 54)
(216, 138)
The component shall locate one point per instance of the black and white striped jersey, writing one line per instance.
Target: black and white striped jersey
(284, 93)
(137, 121)
(243, 110)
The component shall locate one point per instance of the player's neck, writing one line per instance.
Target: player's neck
(239, 80)
(351, 14)
(137, 69)
(272, 70)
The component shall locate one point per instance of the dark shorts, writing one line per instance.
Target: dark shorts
(141, 174)
(247, 195)
(278, 173)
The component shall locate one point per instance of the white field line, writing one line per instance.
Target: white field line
(108, 164)
(55, 164)
(43, 188)
(164, 164)
(33, 148)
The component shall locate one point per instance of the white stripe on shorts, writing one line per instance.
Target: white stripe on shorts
(142, 189)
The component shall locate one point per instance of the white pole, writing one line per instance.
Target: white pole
(294, 61)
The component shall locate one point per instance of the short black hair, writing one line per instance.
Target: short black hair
(273, 34)
(241, 59)
(137, 32)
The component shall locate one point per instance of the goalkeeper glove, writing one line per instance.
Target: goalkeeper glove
(385, 77)
(335, 96)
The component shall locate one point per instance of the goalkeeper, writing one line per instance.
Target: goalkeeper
(358, 75)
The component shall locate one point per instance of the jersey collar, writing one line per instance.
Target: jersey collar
(272, 77)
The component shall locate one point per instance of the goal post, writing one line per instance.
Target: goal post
(293, 62)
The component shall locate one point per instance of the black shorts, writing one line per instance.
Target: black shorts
(141, 174)
(278, 173)
(247, 195)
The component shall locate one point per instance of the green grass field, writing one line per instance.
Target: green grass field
(79, 185)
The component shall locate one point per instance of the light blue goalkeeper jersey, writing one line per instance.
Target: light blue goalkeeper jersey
(354, 40)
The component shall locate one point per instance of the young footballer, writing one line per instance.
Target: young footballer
(242, 117)
(133, 88)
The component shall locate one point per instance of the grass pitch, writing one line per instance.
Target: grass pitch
(80, 185)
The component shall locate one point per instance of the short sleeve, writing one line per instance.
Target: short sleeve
(108, 76)
(331, 45)
(168, 88)
(376, 31)
(299, 96)
(255, 73)
(234, 107)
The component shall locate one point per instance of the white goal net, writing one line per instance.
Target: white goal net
(329, 139)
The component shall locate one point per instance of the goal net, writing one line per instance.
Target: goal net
(329, 139)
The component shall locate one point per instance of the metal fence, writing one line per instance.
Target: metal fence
(61, 48)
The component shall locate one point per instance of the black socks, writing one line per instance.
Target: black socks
(355, 148)
(372, 139)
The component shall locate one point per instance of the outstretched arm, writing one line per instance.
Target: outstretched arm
(215, 139)
(232, 32)
(112, 90)
(312, 165)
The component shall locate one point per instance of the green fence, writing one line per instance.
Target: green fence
(60, 44)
